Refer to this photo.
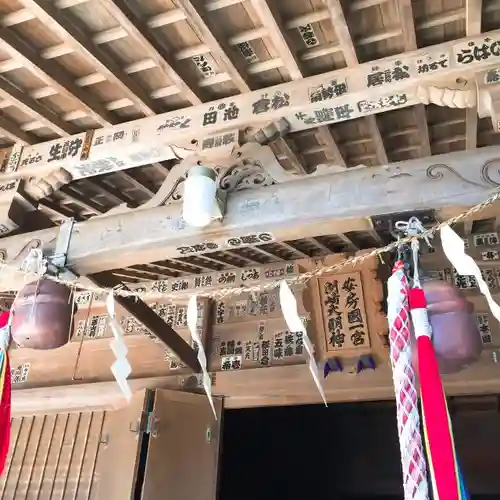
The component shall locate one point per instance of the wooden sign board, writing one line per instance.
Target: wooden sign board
(344, 313)
(249, 331)
(347, 314)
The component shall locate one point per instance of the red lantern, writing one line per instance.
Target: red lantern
(42, 315)
(455, 334)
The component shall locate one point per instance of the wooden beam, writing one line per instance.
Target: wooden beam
(473, 18)
(410, 43)
(312, 206)
(291, 101)
(271, 386)
(143, 313)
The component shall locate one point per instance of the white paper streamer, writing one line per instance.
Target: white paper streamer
(454, 249)
(121, 368)
(294, 323)
(192, 321)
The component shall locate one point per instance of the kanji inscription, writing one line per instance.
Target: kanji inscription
(324, 92)
(308, 35)
(344, 312)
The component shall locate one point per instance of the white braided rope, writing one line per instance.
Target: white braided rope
(410, 440)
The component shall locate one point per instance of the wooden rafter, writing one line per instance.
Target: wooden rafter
(142, 34)
(207, 30)
(276, 29)
(267, 12)
(473, 18)
(351, 58)
(410, 43)
(15, 133)
(145, 315)
(32, 107)
(55, 77)
(105, 64)
(325, 137)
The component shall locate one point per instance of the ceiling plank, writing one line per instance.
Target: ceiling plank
(275, 26)
(351, 58)
(32, 107)
(291, 210)
(15, 133)
(410, 43)
(266, 10)
(141, 33)
(325, 137)
(205, 28)
(55, 76)
(473, 21)
(104, 63)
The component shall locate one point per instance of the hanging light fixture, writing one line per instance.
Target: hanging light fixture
(201, 201)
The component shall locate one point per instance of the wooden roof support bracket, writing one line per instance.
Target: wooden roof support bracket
(57, 266)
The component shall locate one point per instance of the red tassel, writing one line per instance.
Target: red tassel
(5, 411)
(5, 404)
(441, 450)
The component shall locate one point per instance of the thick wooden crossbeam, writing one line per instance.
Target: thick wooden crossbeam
(345, 94)
(320, 205)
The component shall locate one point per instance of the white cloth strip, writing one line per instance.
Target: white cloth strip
(121, 368)
(294, 323)
(192, 321)
(454, 249)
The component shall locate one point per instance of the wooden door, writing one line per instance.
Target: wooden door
(52, 456)
(183, 455)
(119, 455)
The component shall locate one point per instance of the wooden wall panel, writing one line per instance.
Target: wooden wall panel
(52, 457)
(88, 357)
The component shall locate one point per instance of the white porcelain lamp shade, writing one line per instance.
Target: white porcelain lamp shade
(200, 196)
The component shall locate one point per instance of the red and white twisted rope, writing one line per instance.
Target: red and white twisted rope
(410, 440)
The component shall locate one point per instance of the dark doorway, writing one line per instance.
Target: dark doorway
(344, 452)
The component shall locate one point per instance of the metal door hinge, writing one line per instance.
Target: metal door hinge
(147, 424)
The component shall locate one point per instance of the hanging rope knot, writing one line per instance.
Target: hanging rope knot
(414, 227)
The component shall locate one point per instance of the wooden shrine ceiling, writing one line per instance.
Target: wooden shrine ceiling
(72, 65)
